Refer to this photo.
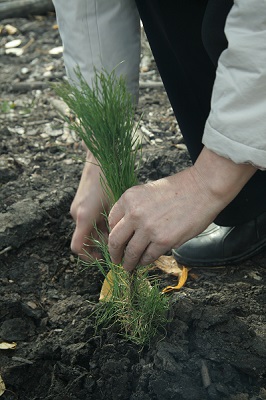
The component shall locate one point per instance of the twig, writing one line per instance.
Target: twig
(22, 8)
(22, 360)
(206, 380)
(23, 87)
(31, 123)
(5, 250)
(150, 85)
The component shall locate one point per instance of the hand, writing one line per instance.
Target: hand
(87, 208)
(151, 219)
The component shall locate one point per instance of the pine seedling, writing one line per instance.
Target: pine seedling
(106, 123)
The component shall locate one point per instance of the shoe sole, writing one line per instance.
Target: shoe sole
(220, 263)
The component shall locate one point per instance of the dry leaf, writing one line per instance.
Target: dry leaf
(168, 265)
(8, 346)
(181, 282)
(2, 386)
(107, 287)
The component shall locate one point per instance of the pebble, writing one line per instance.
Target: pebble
(13, 43)
(56, 50)
(25, 70)
(15, 51)
(10, 29)
(158, 141)
(47, 74)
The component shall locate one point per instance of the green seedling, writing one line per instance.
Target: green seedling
(105, 121)
(6, 106)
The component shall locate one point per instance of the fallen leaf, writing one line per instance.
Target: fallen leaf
(181, 282)
(8, 346)
(2, 386)
(168, 265)
(107, 287)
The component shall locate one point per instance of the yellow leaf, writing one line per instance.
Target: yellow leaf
(107, 287)
(181, 282)
(8, 346)
(2, 386)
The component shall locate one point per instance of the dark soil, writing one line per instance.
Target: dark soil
(215, 343)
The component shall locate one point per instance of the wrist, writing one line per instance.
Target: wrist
(222, 178)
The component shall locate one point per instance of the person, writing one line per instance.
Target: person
(212, 59)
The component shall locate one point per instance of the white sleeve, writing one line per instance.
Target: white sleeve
(236, 127)
(100, 34)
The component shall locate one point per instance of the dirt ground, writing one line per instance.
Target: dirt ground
(214, 346)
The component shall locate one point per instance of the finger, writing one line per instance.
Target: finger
(134, 251)
(152, 253)
(118, 239)
(116, 214)
(83, 238)
(80, 240)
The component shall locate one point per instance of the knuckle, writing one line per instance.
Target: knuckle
(73, 211)
(161, 239)
(80, 214)
(135, 212)
(75, 248)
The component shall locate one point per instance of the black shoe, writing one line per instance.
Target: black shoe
(220, 245)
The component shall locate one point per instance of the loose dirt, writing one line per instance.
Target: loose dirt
(214, 346)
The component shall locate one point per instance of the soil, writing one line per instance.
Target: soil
(214, 346)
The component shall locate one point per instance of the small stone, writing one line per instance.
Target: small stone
(25, 70)
(10, 29)
(56, 50)
(15, 51)
(13, 43)
(158, 141)
(47, 74)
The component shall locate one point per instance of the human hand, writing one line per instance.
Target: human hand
(87, 207)
(151, 219)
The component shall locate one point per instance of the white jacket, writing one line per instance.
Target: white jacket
(106, 32)
(236, 127)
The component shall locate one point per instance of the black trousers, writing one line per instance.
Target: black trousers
(187, 38)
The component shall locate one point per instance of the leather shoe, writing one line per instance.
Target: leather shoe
(221, 245)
